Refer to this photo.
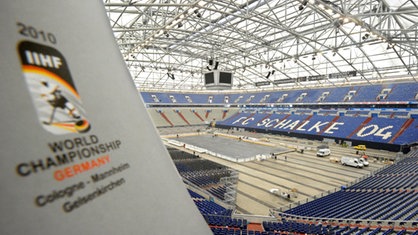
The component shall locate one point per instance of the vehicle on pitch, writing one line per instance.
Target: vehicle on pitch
(292, 193)
(351, 161)
(323, 152)
(364, 161)
(361, 147)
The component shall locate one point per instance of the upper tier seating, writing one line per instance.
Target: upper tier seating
(366, 93)
(403, 92)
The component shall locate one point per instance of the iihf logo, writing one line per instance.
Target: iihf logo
(52, 89)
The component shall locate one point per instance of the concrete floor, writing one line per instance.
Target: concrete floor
(228, 146)
(306, 173)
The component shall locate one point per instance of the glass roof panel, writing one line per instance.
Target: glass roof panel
(298, 39)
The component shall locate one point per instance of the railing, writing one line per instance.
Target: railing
(254, 218)
(404, 224)
(207, 195)
(230, 183)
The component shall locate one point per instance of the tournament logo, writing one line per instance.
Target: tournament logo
(52, 89)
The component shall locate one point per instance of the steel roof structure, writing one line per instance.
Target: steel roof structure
(267, 44)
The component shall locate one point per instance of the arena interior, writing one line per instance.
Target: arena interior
(245, 93)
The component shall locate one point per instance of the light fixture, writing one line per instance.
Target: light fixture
(170, 75)
(211, 62)
(216, 65)
(302, 6)
(197, 13)
(365, 36)
(390, 46)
